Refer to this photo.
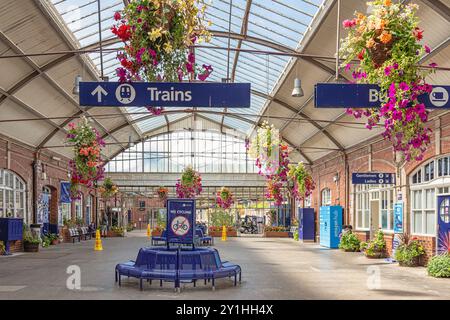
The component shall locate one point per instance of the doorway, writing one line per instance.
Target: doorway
(374, 217)
(443, 241)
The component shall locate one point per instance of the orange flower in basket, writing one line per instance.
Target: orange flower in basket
(385, 37)
(387, 3)
(370, 43)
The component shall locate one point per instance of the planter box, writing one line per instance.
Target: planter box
(377, 255)
(274, 234)
(112, 234)
(218, 234)
(156, 233)
(30, 247)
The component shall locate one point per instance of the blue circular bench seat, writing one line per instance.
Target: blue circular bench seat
(157, 263)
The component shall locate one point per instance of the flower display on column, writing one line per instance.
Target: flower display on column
(224, 198)
(265, 149)
(190, 184)
(86, 168)
(388, 45)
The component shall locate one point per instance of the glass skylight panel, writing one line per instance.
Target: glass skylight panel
(282, 22)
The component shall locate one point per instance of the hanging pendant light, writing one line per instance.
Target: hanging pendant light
(76, 88)
(130, 142)
(298, 91)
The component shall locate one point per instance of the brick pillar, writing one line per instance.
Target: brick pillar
(37, 187)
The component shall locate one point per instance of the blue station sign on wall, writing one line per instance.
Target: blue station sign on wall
(165, 94)
(338, 95)
(180, 221)
(373, 178)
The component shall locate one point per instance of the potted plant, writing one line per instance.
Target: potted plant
(46, 241)
(409, 252)
(349, 242)
(30, 243)
(375, 248)
(54, 238)
(439, 266)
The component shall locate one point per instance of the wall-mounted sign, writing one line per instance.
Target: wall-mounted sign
(165, 94)
(180, 221)
(373, 178)
(398, 217)
(337, 95)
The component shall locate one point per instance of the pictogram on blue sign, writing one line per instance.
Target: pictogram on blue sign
(180, 221)
(165, 94)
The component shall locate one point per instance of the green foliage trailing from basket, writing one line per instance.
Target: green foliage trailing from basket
(439, 266)
(349, 242)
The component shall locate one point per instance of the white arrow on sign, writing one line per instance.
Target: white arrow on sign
(99, 91)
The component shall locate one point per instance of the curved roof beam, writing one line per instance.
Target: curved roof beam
(301, 114)
(120, 127)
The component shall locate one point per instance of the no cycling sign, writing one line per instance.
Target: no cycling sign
(180, 221)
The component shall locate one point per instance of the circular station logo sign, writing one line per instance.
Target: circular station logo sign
(180, 226)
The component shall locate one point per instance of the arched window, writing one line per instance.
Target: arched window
(206, 151)
(326, 197)
(12, 195)
(427, 182)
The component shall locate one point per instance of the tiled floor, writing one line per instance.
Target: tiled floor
(272, 269)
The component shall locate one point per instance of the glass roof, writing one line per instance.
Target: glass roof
(283, 22)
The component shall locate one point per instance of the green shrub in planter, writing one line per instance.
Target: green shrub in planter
(349, 242)
(409, 252)
(439, 266)
(376, 248)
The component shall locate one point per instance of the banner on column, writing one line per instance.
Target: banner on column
(65, 192)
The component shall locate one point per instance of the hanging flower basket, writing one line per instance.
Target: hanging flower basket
(158, 35)
(224, 198)
(303, 182)
(387, 44)
(190, 184)
(108, 189)
(86, 168)
(162, 193)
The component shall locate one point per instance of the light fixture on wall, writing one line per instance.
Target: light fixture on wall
(336, 177)
(76, 87)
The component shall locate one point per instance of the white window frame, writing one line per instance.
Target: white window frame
(369, 193)
(325, 197)
(19, 195)
(79, 207)
(440, 184)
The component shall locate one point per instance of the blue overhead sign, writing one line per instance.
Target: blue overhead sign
(373, 178)
(180, 221)
(337, 95)
(165, 94)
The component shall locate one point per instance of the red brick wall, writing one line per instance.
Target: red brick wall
(375, 155)
(21, 159)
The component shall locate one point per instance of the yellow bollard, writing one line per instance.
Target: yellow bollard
(149, 231)
(98, 241)
(224, 233)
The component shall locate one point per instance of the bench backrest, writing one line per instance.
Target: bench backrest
(73, 232)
